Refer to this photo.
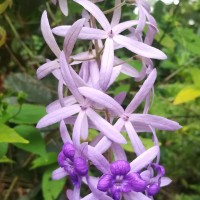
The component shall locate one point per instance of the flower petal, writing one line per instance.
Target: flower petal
(96, 12)
(124, 26)
(106, 128)
(107, 63)
(58, 115)
(86, 33)
(90, 197)
(72, 36)
(59, 173)
(165, 181)
(115, 73)
(158, 122)
(76, 136)
(103, 145)
(98, 160)
(139, 47)
(137, 183)
(120, 167)
(55, 105)
(47, 68)
(48, 36)
(142, 93)
(64, 133)
(135, 196)
(105, 182)
(68, 78)
(144, 159)
(76, 193)
(63, 6)
(118, 152)
(102, 99)
(116, 14)
(134, 138)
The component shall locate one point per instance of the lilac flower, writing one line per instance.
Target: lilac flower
(125, 117)
(154, 182)
(121, 178)
(111, 34)
(71, 160)
(83, 108)
(89, 106)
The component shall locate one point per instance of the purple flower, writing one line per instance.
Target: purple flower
(120, 180)
(71, 163)
(112, 35)
(126, 118)
(154, 177)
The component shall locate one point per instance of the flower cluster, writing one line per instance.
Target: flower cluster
(87, 76)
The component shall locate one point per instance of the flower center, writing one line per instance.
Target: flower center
(110, 34)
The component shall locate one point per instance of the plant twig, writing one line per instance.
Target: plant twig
(15, 58)
(112, 9)
(17, 35)
(14, 181)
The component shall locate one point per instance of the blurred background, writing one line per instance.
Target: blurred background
(28, 155)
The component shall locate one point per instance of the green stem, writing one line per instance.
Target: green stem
(112, 9)
(9, 191)
(17, 35)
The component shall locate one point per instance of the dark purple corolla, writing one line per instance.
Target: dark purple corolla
(121, 180)
(73, 165)
(154, 177)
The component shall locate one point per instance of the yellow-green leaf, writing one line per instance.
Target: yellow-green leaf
(195, 73)
(186, 95)
(2, 36)
(9, 135)
(5, 159)
(3, 6)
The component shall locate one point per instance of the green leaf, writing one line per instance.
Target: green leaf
(2, 36)
(3, 6)
(5, 159)
(48, 160)
(9, 135)
(3, 149)
(36, 145)
(148, 143)
(195, 73)
(29, 114)
(50, 188)
(186, 95)
(38, 91)
(121, 88)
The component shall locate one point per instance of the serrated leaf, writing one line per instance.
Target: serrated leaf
(186, 95)
(9, 135)
(3, 149)
(36, 144)
(41, 161)
(29, 113)
(5, 159)
(50, 188)
(2, 36)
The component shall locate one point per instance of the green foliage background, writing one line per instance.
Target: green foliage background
(28, 155)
